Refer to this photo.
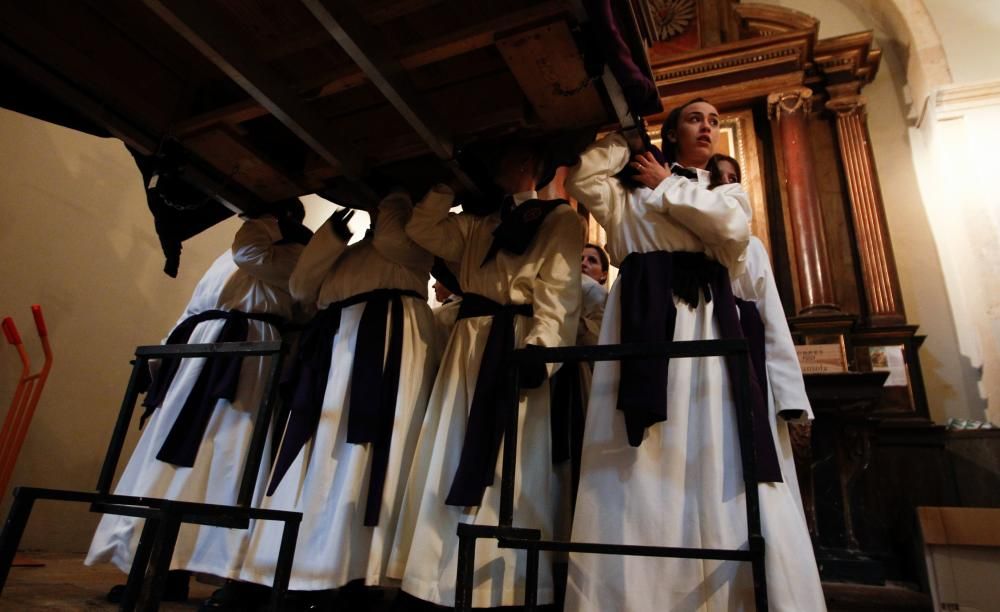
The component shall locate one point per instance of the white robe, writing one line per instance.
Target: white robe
(445, 316)
(253, 277)
(547, 275)
(595, 296)
(683, 486)
(328, 481)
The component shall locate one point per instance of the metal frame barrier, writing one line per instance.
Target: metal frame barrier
(163, 517)
(26, 395)
(530, 540)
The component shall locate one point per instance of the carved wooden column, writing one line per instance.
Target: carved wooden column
(790, 110)
(883, 298)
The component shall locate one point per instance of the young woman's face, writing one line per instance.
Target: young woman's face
(727, 172)
(696, 134)
(590, 264)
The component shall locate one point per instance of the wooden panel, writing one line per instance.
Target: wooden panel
(550, 70)
(433, 48)
(960, 526)
(243, 165)
(208, 31)
(829, 179)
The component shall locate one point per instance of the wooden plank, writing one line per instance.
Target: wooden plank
(427, 52)
(369, 52)
(241, 163)
(204, 28)
(550, 70)
(730, 96)
(946, 526)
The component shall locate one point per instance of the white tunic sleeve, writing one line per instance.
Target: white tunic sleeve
(390, 238)
(595, 297)
(592, 181)
(433, 228)
(315, 263)
(783, 371)
(255, 253)
(720, 217)
(556, 288)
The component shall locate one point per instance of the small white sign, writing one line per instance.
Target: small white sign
(889, 359)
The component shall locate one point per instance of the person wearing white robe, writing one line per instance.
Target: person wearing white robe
(328, 480)
(786, 387)
(252, 277)
(547, 276)
(446, 313)
(683, 485)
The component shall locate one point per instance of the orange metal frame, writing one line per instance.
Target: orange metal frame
(26, 394)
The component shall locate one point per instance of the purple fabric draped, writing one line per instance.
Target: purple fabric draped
(490, 401)
(648, 283)
(639, 90)
(218, 379)
(374, 385)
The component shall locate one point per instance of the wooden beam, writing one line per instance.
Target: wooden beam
(98, 111)
(204, 27)
(375, 12)
(368, 51)
(438, 49)
(549, 69)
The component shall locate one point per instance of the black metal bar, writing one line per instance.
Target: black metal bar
(143, 512)
(637, 350)
(140, 563)
(283, 569)
(235, 518)
(121, 427)
(630, 550)
(744, 423)
(262, 422)
(531, 580)
(246, 349)
(151, 562)
(159, 562)
(759, 572)
(466, 567)
(509, 473)
(510, 537)
(13, 529)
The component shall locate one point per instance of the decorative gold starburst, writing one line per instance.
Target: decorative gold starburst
(671, 17)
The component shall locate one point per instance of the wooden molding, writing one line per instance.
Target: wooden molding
(769, 20)
(788, 102)
(883, 296)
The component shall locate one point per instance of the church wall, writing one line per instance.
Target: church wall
(77, 238)
(969, 34)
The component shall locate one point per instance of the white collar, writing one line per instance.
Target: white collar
(524, 196)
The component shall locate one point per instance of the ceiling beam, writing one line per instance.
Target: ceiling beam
(456, 43)
(204, 27)
(100, 112)
(366, 47)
